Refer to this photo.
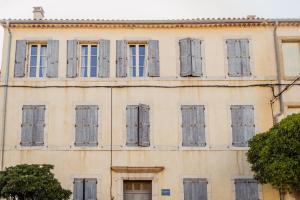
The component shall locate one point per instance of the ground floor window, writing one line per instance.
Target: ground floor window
(137, 190)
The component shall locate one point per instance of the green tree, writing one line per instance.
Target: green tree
(31, 182)
(275, 156)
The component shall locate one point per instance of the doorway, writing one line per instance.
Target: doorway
(137, 190)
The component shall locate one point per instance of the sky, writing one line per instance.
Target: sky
(151, 9)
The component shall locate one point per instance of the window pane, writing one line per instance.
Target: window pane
(134, 72)
(291, 58)
(84, 50)
(33, 61)
(132, 50)
(84, 72)
(43, 50)
(94, 61)
(142, 61)
(142, 50)
(33, 50)
(141, 71)
(93, 72)
(84, 61)
(93, 50)
(32, 72)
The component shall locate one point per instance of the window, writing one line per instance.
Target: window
(242, 124)
(137, 190)
(246, 189)
(195, 189)
(85, 188)
(33, 123)
(238, 57)
(86, 131)
(137, 60)
(38, 60)
(88, 60)
(291, 58)
(190, 57)
(138, 126)
(193, 125)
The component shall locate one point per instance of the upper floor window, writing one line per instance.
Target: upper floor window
(137, 56)
(291, 58)
(88, 60)
(238, 57)
(38, 60)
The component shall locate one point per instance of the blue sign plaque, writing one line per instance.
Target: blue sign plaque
(165, 192)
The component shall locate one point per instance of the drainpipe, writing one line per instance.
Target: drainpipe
(5, 94)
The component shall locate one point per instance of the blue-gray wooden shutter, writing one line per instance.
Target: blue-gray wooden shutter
(38, 124)
(242, 123)
(52, 58)
(187, 129)
(78, 189)
(104, 58)
(234, 58)
(90, 189)
(196, 57)
(27, 125)
(80, 124)
(185, 57)
(91, 129)
(144, 125)
(246, 189)
(132, 125)
(121, 61)
(195, 189)
(199, 125)
(153, 58)
(20, 58)
(72, 58)
(245, 57)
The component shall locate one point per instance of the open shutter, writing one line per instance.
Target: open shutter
(80, 126)
(234, 58)
(245, 57)
(187, 125)
(248, 126)
(39, 124)
(199, 127)
(52, 58)
(121, 58)
(104, 58)
(246, 189)
(196, 57)
(236, 124)
(144, 125)
(153, 58)
(20, 58)
(185, 57)
(72, 58)
(90, 189)
(201, 185)
(132, 125)
(92, 128)
(188, 189)
(27, 125)
(78, 189)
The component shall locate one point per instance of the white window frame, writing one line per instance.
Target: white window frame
(137, 59)
(283, 67)
(89, 45)
(38, 60)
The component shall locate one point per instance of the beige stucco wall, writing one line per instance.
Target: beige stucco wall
(219, 162)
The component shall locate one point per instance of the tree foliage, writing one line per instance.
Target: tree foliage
(31, 182)
(275, 155)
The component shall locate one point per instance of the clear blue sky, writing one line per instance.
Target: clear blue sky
(151, 9)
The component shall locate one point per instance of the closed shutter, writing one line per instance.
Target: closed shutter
(195, 189)
(90, 189)
(245, 57)
(132, 125)
(20, 58)
(199, 126)
(121, 58)
(91, 129)
(144, 125)
(27, 125)
(187, 128)
(80, 125)
(153, 58)
(72, 58)
(52, 58)
(185, 57)
(234, 58)
(246, 189)
(39, 124)
(78, 189)
(196, 57)
(104, 58)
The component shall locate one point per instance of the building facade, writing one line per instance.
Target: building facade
(147, 109)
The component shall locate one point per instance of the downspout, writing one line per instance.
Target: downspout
(3, 131)
(111, 143)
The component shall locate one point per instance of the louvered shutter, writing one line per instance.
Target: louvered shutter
(185, 57)
(52, 58)
(246, 189)
(199, 125)
(121, 58)
(104, 58)
(196, 57)
(38, 125)
(144, 125)
(91, 130)
(132, 125)
(27, 125)
(248, 127)
(245, 57)
(195, 189)
(153, 58)
(20, 58)
(90, 189)
(71, 58)
(78, 189)
(234, 58)
(187, 125)
(81, 116)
